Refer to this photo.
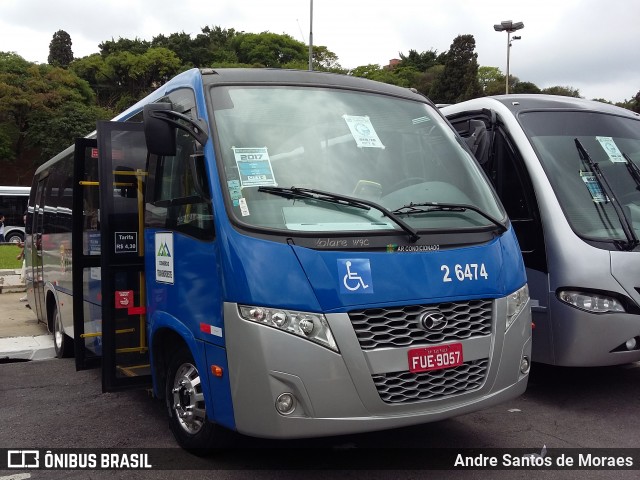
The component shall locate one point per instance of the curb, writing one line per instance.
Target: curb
(39, 347)
(10, 281)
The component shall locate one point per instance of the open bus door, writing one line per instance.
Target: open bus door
(122, 156)
(87, 328)
(108, 271)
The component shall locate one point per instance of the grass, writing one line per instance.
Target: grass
(8, 255)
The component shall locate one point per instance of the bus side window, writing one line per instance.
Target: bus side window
(178, 197)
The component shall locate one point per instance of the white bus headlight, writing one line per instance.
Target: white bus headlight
(515, 303)
(591, 302)
(312, 326)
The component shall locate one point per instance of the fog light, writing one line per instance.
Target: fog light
(631, 344)
(525, 365)
(285, 403)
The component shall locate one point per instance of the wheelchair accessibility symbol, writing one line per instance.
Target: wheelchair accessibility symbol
(355, 276)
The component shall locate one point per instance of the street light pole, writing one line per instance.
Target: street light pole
(311, 36)
(509, 27)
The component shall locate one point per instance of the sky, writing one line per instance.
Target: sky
(591, 45)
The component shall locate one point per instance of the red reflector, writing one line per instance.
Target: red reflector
(216, 371)
(137, 310)
(533, 325)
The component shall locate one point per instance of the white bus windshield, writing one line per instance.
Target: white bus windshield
(613, 145)
(381, 149)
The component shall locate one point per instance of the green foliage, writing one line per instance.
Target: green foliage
(54, 133)
(268, 49)
(420, 61)
(125, 74)
(32, 98)
(60, 53)
(459, 80)
(526, 87)
(559, 90)
(8, 254)
(633, 104)
(135, 46)
(491, 80)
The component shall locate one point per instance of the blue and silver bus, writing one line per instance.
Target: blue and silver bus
(286, 254)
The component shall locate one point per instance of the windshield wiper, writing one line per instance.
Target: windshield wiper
(627, 227)
(633, 170)
(322, 196)
(427, 207)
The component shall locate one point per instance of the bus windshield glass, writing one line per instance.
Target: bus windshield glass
(590, 157)
(281, 145)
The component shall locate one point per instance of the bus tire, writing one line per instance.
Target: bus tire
(186, 405)
(62, 343)
(14, 237)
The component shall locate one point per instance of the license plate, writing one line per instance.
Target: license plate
(435, 358)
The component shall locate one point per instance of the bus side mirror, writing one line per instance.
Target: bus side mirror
(160, 123)
(159, 134)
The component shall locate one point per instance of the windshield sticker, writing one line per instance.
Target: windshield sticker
(254, 167)
(244, 209)
(362, 131)
(355, 275)
(418, 120)
(594, 187)
(609, 146)
(234, 191)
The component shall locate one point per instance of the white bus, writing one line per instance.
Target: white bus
(13, 205)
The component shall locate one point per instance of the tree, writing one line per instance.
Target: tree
(121, 78)
(526, 87)
(374, 72)
(60, 53)
(32, 98)
(633, 104)
(491, 80)
(268, 49)
(459, 80)
(420, 61)
(559, 90)
(135, 46)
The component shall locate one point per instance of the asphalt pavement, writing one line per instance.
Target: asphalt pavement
(21, 336)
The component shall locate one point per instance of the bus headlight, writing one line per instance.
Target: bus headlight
(515, 303)
(591, 302)
(311, 326)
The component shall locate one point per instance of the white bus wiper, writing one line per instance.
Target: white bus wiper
(322, 196)
(633, 170)
(427, 207)
(627, 227)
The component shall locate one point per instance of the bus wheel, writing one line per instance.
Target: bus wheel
(61, 341)
(186, 405)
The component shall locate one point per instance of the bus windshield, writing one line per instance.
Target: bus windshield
(388, 151)
(573, 146)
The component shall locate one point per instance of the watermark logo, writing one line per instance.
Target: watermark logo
(23, 459)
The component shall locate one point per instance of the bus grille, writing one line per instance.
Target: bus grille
(395, 327)
(406, 387)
